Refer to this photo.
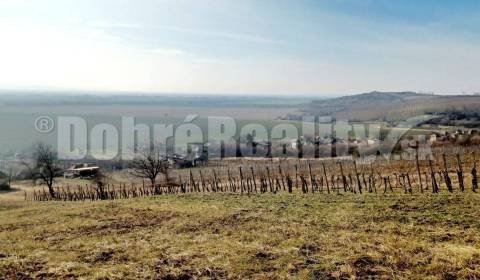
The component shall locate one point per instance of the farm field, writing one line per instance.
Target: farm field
(233, 236)
(155, 111)
(20, 122)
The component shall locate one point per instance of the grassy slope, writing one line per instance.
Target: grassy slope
(393, 105)
(233, 236)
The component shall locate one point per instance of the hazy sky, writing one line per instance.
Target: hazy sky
(242, 47)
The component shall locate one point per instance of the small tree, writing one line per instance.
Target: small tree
(149, 165)
(45, 165)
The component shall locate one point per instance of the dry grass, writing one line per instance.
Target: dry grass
(229, 236)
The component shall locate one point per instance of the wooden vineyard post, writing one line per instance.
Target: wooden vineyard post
(254, 178)
(409, 184)
(474, 175)
(304, 184)
(397, 181)
(249, 183)
(364, 180)
(344, 179)
(373, 178)
(358, 178)
(418, 171)
(351, 184)
(385, 185)
(326, 177)
(426, 180)
(289, 184)
(402, 182)
(460, 173)
(230, 182)
(296, 176)
(312, 179)
(214, 182)
(448, 181)
(270, 183)
(202, 180)
(218, 183)
(281, 176)
(389, 183)
(335, 181)
(241, 179)
(432, 174)
(192, 182)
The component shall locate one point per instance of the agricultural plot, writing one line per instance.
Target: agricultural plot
(255, 219)
(233, 236)
(440, 172)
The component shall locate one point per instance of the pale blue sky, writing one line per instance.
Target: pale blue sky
(240, 47)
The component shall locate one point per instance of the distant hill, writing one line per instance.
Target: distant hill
(388, 105)
(25, 98)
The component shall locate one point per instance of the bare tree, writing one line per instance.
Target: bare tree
(149, 165)
(45, 165)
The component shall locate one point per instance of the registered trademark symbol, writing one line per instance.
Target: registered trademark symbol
(44, 124)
